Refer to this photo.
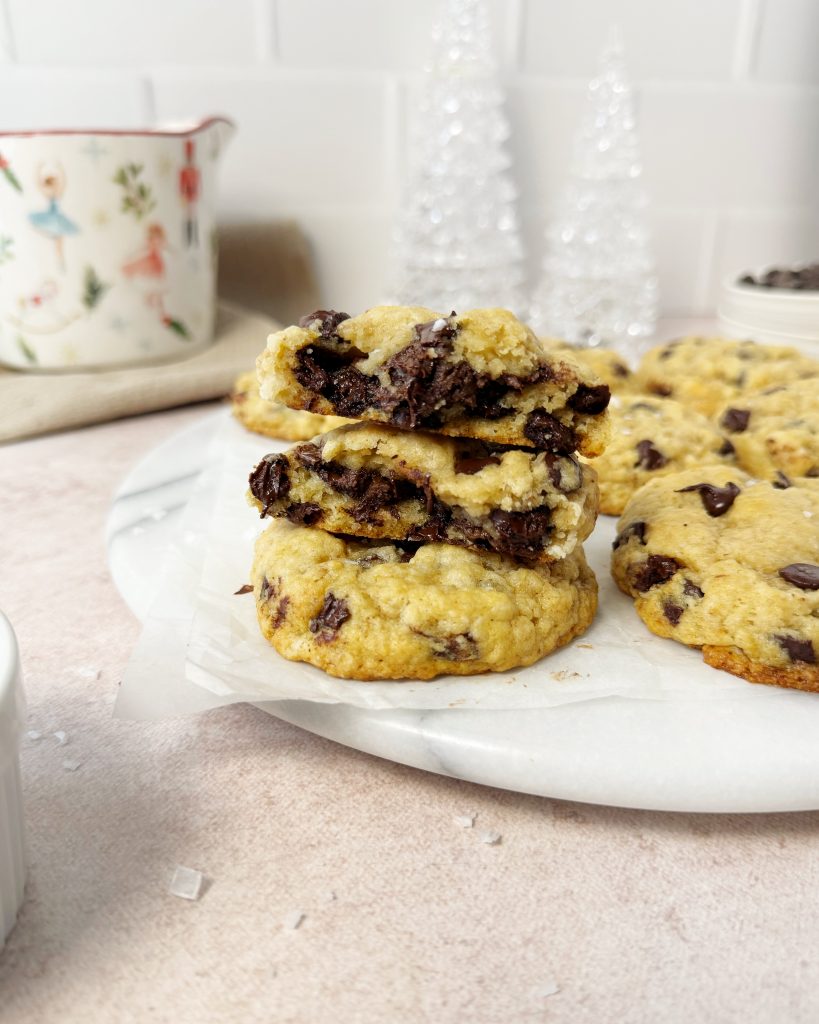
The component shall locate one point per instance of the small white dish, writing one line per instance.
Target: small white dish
(773, 316)
(12, 843)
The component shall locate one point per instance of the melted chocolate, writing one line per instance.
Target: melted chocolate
(736, 420)
(546, 431)
(673, 612)
(325, 321)
(802, 575)
(796, 649)
(304, 513)
(280, 614)
(656, 569)
(716, 500)
(649, 456)
(691, 589)
(637, 530)
(334, 613)
(269, 481)
(590, 398)
(246, 588)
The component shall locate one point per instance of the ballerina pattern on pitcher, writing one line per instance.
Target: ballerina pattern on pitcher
(52, 222)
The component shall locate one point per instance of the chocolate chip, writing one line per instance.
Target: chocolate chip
(246, 588)
(325, 321)
(726, 448)
(280, 614)
(304, 513)
(673, 612)
(663, 390)
(715, 500)
(637, 530)
(328, 372)
(432, 332)
(736, 420)
(668, 351)
(802, 575)
(546, 431)
(619, 369)
(269, 589)
(460, 647)
(649, 456)
(782, 483)
(796, 649)
(590, 398)
(435, 528)
(334, 613)
(269, 481)
(656, 569)
(475, 463)
(521, 534)
(352, 391)
(690, 589)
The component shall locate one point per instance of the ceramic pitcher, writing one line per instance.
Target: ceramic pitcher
(108, 245)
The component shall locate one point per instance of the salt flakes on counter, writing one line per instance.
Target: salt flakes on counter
(87, 672)
(465, 820)
(186, 883)
(490, 838)
(70, 764)
(548, 988)
(293, 920)
(61, 737)
(34, 735)
(328, 897)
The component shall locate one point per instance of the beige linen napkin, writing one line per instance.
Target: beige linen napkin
(33, 404)
(266, 266)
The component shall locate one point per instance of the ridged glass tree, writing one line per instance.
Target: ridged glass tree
(599, 284)
(457, 244)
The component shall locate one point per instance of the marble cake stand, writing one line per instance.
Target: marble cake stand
(733, 755)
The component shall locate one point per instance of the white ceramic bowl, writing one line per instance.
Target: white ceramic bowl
(775, 316)
(12, 845)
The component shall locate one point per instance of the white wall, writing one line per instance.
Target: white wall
(728, 94)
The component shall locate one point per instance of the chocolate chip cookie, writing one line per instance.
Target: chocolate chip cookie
(710, 373)
(366, 610)
(776, 431)
(371, 480)
(273, 419)
(652, 437)
(720, 560)
(482, 374)
(604, 363)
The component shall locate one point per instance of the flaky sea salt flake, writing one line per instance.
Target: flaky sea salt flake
(61, 737)
(547, 988)
(186, 883)
(328, 896)
(34, 735)
(70, 764)
(89, 672)
(293, 920)
(465, 820)
(490, 838)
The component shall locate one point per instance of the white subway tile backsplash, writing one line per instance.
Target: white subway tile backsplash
(683, 40)
(730, 146)
(301, 137)
(70, 99)
(117, 32)
(748, 240)
(788, 45)
(385, 35)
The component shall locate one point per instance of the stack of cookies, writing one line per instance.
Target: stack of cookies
(441, 531)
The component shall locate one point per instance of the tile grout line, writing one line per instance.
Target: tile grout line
(747, 41)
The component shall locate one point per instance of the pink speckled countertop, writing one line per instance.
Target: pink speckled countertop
(636, 916)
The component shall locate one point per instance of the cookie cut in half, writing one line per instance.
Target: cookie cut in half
(367, 610)
(709, 373)
(728, 563)
(776, 431)
(604, 363)
(481, 374)
(371, 480)
(653, 437)
(273, 419)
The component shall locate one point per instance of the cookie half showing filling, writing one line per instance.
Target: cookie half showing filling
(369, 480)
(374, 610)
(482, 374)
(728, 563)
(272, 419)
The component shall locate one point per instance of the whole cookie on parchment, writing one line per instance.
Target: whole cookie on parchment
(375, 610)
(719, 560)
(653, 437)
(709, 373)
(776, 431)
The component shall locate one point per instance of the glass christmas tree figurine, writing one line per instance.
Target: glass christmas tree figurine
(599, 285)
(457, 243)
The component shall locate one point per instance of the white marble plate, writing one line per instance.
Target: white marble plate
(720, 755)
